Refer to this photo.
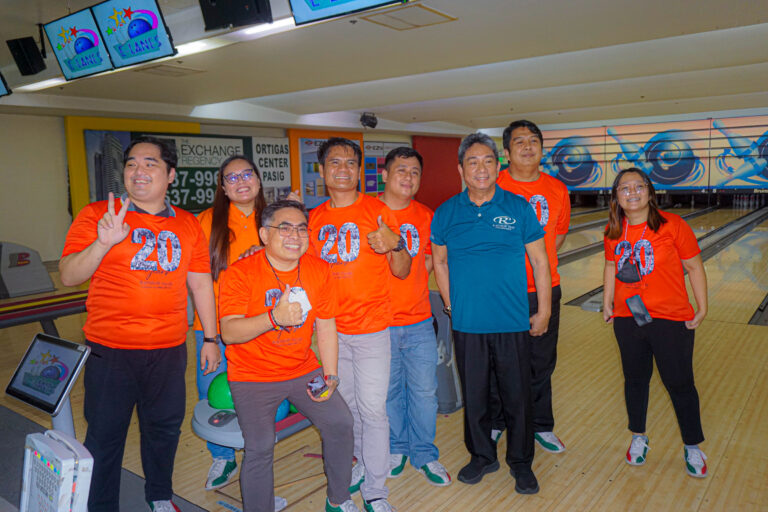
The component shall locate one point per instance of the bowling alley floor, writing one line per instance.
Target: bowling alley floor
(731, 368)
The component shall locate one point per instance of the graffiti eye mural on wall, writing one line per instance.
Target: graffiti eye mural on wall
(745, 159)
(572, 163)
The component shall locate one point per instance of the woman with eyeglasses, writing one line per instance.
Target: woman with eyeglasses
(646, 253)
(231, 226)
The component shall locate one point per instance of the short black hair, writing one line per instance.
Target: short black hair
(326, 146)
(402, 152)
(520, 123)
(268, 213)
(167, 150)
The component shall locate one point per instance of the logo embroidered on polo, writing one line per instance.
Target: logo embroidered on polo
(504, 222)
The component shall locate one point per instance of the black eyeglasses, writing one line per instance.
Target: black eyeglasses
(286, 229)
(234, 177)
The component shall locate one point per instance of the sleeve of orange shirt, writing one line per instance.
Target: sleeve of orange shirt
(200, 262)
(235, 289)
(327, 304)
(565, 215)
(685, 241)
(83, 231)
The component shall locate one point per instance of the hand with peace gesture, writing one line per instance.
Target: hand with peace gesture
(383, 239)
(287, 314)
(112, 228)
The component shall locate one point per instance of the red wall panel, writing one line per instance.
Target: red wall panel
(440, 176)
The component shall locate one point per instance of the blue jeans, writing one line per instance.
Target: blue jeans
(412, 398)
(203, 381)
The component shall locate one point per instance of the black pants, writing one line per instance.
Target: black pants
(504, 358)
(115, 381)
(543, 361)
(671, 344)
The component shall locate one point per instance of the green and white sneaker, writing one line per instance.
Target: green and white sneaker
(549, 442)
(694, 462)
(221, 473)
(396, 464)
(496, 435)
(358, 476)
(379, 505)
(637, 451)
(436, 473)
(163, 506)
(347, 506)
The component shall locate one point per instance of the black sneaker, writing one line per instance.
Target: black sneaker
(473, 472)
(525, 481)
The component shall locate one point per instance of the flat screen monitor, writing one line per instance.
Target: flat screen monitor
(308, 11)
(77, 45)
(134, 31)
(47, 372)
(4, 89)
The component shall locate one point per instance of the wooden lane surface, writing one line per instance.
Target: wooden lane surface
(737, 277)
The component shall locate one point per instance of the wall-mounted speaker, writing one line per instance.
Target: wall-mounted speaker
(27, 55)
(234, 13)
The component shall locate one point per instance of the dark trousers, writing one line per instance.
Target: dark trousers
(671, 344)
(256, 404)
(115, 381)
(505, 358)
(543, 361)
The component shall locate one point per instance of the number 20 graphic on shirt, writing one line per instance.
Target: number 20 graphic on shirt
(332, 237)
(168, 262)
(541, 201)
(625, 249)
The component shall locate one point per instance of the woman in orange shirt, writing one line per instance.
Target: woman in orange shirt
(646, 252)
(231, 226)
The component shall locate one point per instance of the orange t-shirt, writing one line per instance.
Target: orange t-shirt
(137, 298)
(410, 296)
(250, 288)
(549, 199)
(659, 254)
(340, 237)
(243, 235)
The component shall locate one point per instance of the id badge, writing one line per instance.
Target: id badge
(639, 311)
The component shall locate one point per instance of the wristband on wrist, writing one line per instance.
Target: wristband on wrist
(272, 320)
(332, 378)
(215, 339)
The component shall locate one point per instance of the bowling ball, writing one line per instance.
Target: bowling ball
(282, 410)
(138, 27)
(672, 159)
(573, 161)
(51, 372)
(219, 394)
(82, 44)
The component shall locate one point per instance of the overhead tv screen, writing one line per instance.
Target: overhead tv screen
(134, 31)
(4, 89)
(307, 11)
(77, 45)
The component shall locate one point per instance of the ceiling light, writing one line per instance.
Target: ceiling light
(45, 84)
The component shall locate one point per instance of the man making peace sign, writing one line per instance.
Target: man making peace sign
(140, 253)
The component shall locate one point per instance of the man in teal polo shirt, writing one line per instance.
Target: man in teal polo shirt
(479, 241)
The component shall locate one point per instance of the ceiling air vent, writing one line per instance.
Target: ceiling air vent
(409, 17)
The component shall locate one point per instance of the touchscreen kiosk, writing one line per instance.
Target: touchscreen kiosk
(47, 373)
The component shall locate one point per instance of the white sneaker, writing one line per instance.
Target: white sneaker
(637, 451)
(396, 464)
(436, 473)
(358, 475)
(496, 435)
(280, 503)
(347, 506)
(221, 473)
(163, 506)
(549, 442)
(694, 462)
(379, 506)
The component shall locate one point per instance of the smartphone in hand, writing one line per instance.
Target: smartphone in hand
(317, 386)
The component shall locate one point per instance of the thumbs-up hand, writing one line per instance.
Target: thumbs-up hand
(383, 239)
(287, 314)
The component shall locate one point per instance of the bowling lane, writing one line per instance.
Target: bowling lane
(585, 274)
(737, 277)
(588, 217)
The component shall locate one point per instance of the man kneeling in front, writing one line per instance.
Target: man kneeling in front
(270, 303)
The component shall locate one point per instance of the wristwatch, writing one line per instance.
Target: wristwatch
(215, 339)
(332, 378)
(400, 245)
(447, 310)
